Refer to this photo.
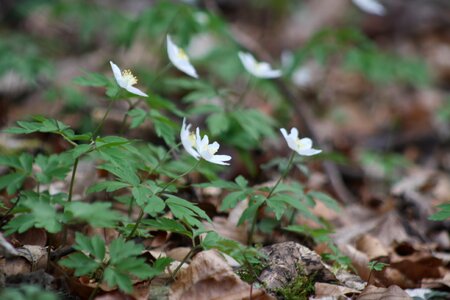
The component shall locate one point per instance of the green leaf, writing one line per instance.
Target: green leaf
(82, 264)
(12, 182)
(441, 215)
(114, 277)
(154, 206)
(141, 194)
(250, 212)
(164, 127)
(119, 249)
(218, 123)
(232, 199)
(241, 181)
(109, 186)
(138, 117)
(52, 167)
(167, 225)
(97, 214)
(92, 79)
(184, 210)
(327, 200)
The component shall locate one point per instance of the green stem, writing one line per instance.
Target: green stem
(248, 87)
(94, 291)
(286, 171)
(163, 158)
(136, 225)
(180, 176)
(141, 214)
(72, 179)
(185, 259)
(100, 125)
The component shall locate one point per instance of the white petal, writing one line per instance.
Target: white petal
(309, 152)
(136, 91)
(183, 65)
(294, 133)
(271, 74)
(117, 74)
(306, 143)
(370, 6)
(220, 159)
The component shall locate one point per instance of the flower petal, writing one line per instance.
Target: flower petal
(220, 159)
(309, 152)
(135, 91)
(371, 7)
(305, 143)
(184, 65)
(117, 74)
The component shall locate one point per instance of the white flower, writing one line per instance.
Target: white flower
(371, 7)
(126, 80)
(258, 69)
(179, 58)
(301, 146)
(188, 139)
(207, 151)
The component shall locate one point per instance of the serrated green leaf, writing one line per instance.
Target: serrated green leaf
(167, 225)
(218, 123)
(154, 206)
(232, 199)
(327, 200)
(109, 186)
(138, 117)
(97, 214)
(82, 264)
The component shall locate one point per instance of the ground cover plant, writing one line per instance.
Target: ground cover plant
(161, 151)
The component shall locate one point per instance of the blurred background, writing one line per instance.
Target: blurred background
(373, 86)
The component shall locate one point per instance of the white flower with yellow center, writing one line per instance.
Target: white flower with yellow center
(370, 7)
(126, 80)
(179, 58)
(208, 151)
(301, 146)
(188, 139)
(258, 69)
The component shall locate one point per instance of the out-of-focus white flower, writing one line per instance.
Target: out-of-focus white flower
(180, 59)
(188, 139)
(302, 77)
(126, 80)
(258, 69)
(371, 7)
(301, 146)
(207, 151)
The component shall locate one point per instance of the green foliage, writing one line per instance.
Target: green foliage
(386, 165)
(442, 214)
(117, 270)
(26, 292)
(376, 265)
(36, 210)
(358, 53)
(97, 214)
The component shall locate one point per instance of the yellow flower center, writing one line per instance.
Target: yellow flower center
(300, 144)
(191, 138)
(129, 77)
(181, 54)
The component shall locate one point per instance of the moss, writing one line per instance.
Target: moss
(298, 289)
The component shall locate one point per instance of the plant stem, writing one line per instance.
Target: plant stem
(136, 225)
(180, 176)
(72, 179)
(248, 87)
(94, 291)
(100, 125)
(286, 171)
(141, 214)
(185, 259)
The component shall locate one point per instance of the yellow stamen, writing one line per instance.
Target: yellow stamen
(181, 54)
(129, 77)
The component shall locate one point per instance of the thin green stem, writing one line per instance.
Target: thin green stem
(180, 176)
(163, 158)
(248, 87)
(94, 291)
(100, 125)
(272, 190)
(141, 214)
(72, 179)
(185, 259)
(136, 225)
